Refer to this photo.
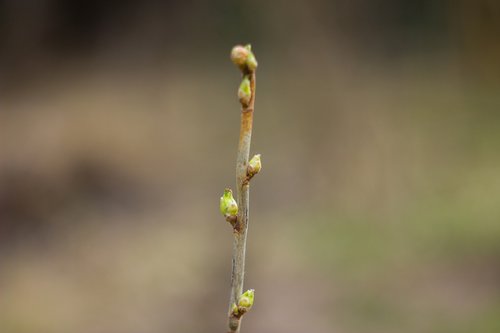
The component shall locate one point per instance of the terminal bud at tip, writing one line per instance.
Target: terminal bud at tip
(239, 55)
(243, 57)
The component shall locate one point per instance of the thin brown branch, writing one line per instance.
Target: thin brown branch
(242, 191)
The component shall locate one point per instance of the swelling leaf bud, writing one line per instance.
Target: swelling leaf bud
(246, 300)
(243, 57)
(245, 92)
(254, 166)
(234, 309)
(239, 55)
(228, 206)
(251, 61)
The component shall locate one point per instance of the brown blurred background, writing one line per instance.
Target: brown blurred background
(378, 207)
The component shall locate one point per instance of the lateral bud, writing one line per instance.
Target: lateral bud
(234, 310)
(245, 303)
(254, 166)
(245, 91)
(251, 60)
(228, 206)
(246, 300)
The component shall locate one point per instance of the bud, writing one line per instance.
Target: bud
(234, 309)
(243, 57)
(228, 206)
(239, 55)
(246, 300)
(251, 62)
(245, 92)
(254, 166)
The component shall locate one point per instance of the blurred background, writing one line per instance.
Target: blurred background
(378, 207)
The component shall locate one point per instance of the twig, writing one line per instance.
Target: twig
(240, 303)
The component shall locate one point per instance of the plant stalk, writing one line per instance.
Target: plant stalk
(242, 192)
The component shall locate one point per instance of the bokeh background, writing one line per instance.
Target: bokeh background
(378, 207)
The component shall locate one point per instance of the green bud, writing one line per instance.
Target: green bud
(234, 309)
(243, 57)
(245, 92)
(246, 300)
(228, 206)
(254, 165)
(251, 61)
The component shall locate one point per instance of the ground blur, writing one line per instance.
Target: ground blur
(377, 209)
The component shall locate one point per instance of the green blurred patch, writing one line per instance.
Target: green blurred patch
(431, 267)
